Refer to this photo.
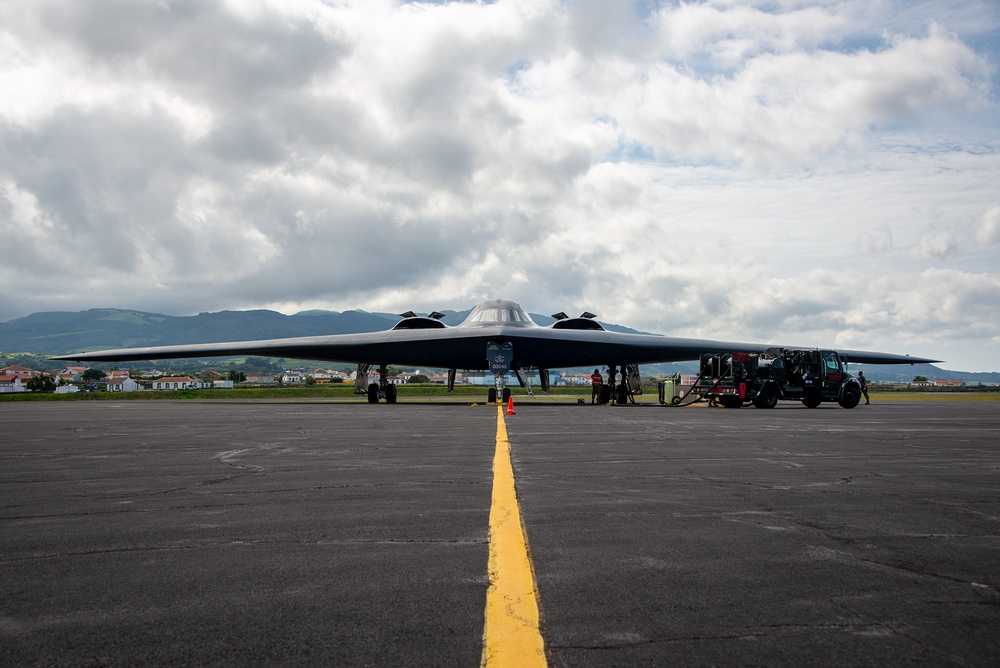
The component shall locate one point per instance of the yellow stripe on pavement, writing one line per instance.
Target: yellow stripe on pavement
(511, 636)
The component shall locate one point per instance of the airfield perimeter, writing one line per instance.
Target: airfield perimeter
(257, 533)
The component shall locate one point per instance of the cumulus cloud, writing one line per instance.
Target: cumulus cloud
(876, 241)
(934, 245)
(792, 106)
(989, 228)
(708, 168)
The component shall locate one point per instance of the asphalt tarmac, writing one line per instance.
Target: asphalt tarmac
(210, 533)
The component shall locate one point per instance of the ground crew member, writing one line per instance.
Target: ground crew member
(596, 382)
(864, 386)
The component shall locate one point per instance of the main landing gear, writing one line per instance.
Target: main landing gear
(383, 389)
(621, 391)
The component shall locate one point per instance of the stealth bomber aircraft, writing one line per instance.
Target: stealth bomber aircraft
(497, 336)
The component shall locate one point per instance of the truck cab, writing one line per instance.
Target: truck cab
(827, 379)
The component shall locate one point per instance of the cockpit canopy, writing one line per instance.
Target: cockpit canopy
(498, 312)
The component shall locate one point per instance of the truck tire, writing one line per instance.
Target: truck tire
(811, 402)
(731, 402)
(850, 397)
(767, 398)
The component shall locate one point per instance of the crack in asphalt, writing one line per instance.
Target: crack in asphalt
(248, 541)
(736, 634)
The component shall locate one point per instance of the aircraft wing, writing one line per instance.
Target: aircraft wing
(466, 348)
(406, 346)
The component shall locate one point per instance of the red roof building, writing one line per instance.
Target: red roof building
(20, 371)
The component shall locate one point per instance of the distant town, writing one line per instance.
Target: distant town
(15, 379)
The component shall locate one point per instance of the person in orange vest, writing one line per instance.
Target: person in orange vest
(596, 381)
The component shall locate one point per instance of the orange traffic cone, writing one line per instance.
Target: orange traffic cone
(510, 405)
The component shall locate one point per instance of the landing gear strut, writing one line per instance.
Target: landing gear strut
(622, 392)
(383, 389)
(499, 355)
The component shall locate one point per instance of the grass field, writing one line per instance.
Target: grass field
(934, 396)
(418, 393)
(326, 392)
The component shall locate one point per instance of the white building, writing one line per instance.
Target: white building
(71, 374)
(10, 383)
(125, 384)
(328, 375)
(179, 383)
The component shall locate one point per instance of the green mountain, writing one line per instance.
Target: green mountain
(61, 332)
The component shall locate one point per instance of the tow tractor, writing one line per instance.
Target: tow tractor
(809, 376)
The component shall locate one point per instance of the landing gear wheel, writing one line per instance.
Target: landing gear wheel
(605, 394)
(491, 396)
(506, 394)
(622, 396)
(373, 394)
(390, 394)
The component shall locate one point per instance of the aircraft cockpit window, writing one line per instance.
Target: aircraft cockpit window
(499, 314)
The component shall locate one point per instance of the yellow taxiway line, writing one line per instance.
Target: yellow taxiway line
(511, 636)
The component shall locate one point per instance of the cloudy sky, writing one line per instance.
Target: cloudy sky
(816, 173)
